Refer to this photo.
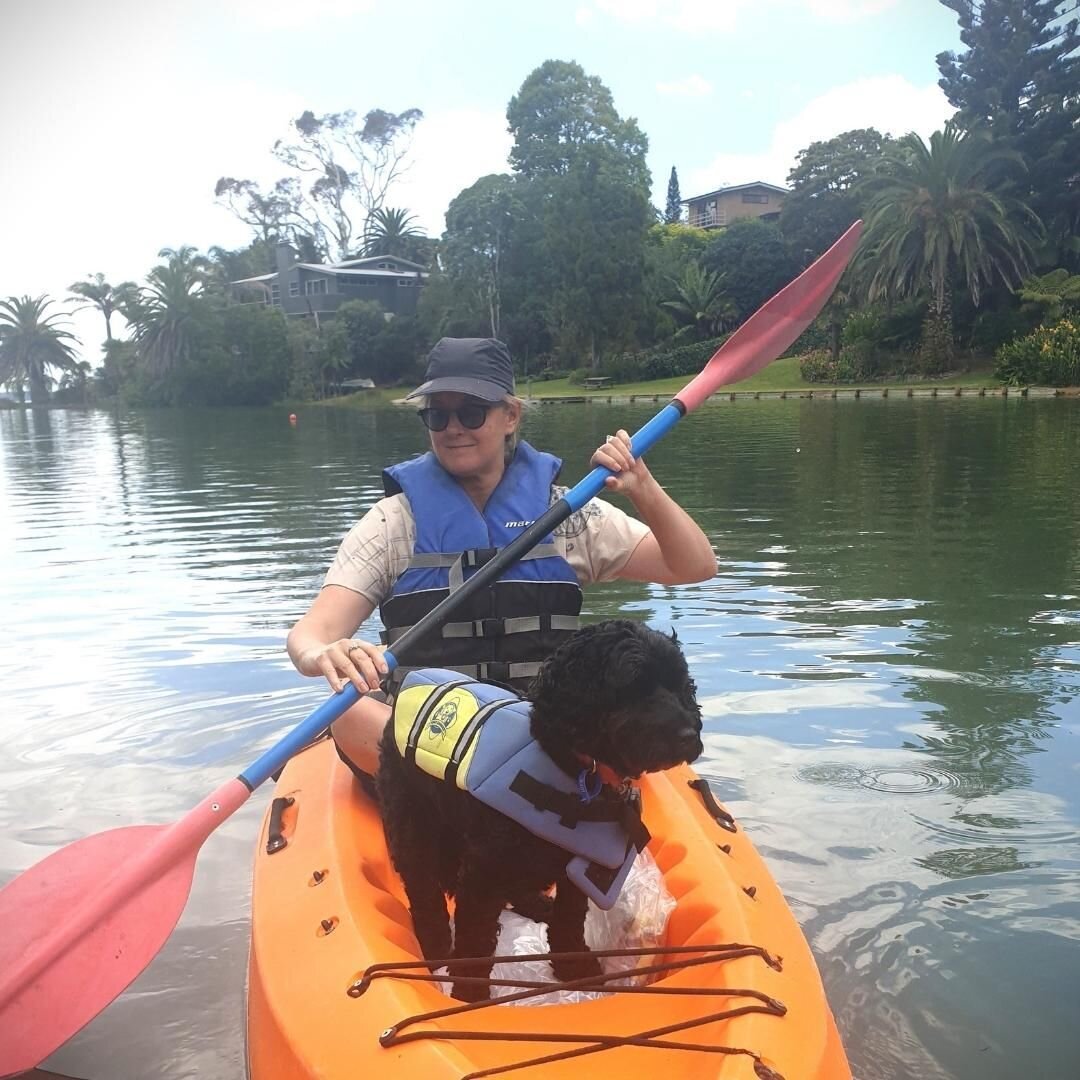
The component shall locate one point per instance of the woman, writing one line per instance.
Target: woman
(447, 511)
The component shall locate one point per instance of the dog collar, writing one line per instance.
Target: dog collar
(606, 773)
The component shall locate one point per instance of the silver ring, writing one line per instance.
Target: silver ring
(352, 648)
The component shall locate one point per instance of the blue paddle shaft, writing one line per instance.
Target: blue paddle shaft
(587, 488)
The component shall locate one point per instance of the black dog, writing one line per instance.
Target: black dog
(617, 693)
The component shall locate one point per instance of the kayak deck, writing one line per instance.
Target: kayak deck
(328, 905)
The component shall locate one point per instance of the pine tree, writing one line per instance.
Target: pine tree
(1020, 78)
(673, 211)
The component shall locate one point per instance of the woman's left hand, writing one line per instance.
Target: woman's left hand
(631, 473)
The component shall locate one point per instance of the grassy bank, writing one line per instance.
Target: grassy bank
(779, 375)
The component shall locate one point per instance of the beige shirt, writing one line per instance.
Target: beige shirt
(597, 541)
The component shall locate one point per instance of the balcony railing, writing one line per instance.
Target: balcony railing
(708, 219)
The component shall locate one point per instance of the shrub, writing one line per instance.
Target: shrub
(998, 327)
(857, 363)
(1048, 357)
(897, 328)
(578, 376)
(819, 366)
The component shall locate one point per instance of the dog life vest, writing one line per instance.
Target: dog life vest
(505, 631)
(477, 736)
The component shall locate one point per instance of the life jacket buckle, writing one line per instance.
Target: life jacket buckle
(474, 558)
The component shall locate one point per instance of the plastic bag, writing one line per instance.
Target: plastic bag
(637, 920)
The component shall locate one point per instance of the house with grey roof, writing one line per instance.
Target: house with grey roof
(300, 288)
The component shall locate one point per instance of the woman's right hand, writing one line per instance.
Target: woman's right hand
(346, 660)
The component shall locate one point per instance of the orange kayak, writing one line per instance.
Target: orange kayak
(327, 904)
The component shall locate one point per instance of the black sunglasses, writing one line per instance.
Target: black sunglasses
(471, 415)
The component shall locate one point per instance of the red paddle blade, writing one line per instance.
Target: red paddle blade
(82, 924)
(775, 325)
(47, 1010)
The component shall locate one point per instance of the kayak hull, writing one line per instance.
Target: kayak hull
(328, 904)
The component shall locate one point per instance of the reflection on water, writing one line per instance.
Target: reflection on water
(888, 661)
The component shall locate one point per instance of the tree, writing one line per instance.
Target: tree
(594, 248)
(825, 197)
(673, 210)
(33, 345)
(751, 256)
(164, 313)
(1020, 76)
(1053, 294)
(479, 229)
(351, 168)
(364, 322)
(700, 304)
(669, 252)
(561, 116)
(101, 295)
(934, 218)
(271, 216)
(390, 232)
(584, 185)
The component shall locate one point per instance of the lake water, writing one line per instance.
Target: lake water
(889, 663)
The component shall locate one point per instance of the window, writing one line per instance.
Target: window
(754, 197)
(404, 282)
(315, 286)
(275, 294)
(294, 288)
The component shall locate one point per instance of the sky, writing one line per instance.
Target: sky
(118, 117)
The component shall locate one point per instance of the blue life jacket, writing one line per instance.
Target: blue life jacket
(477, 736)
(504, 632)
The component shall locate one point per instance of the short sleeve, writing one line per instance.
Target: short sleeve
(376, 550)
(599, 540)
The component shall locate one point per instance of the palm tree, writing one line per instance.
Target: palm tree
(99, 294)
(390, 232)
(700, 303)
(163, 312)
(31, 343)
(936, 216)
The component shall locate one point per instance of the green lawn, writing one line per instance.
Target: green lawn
(779, 375)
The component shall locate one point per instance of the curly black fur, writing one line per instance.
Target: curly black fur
(618, 692)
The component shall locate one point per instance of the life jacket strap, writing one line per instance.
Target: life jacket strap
(494, 628)
(495, 671)
(473, 559)
(571, 809)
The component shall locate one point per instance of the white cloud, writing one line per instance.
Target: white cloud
(848, 10)
(889, 103)
(584, 16)
(284, 14)
(451, 149)
(689, 15)
(691, 86)
(698, 16)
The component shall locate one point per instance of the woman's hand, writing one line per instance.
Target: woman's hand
(346, 660)
(631, 474)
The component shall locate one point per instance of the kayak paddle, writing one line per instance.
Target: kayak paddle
(80, 925)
